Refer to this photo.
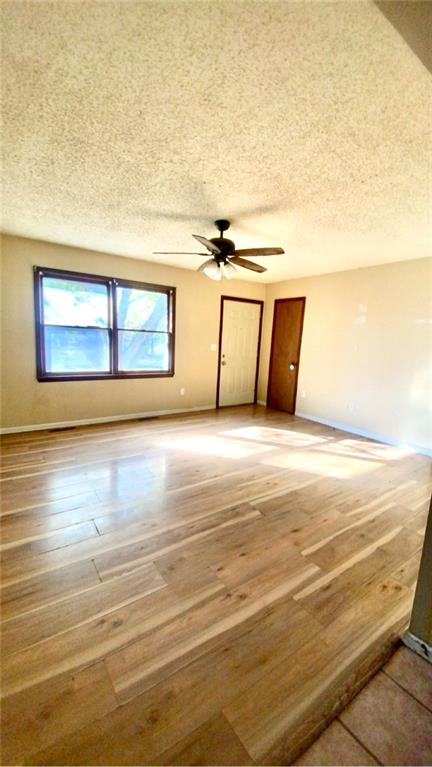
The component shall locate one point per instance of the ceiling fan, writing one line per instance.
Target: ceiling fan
(225, 257)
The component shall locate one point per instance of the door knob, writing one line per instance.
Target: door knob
(292, 366)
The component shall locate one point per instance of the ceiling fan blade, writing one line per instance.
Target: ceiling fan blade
(246, 264)
(257, 252)
(176, 253)
(207, 244)
(206, 263)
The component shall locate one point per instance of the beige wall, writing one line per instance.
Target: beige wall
(367, 340)
(26, 401)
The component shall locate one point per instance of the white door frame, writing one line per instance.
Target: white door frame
(247, 301)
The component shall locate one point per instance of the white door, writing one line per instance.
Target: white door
(239, 352)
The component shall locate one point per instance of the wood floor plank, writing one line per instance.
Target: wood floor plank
(404, 544)
(24, 549)
(47, 588)
(367, 526)
(77, 609)
(184, 573)
(54, 709)
(213, 743)
(52, 506)
(348, 571)
(26, 525)
(317, 528)
(418, 521)
(407, 572)
(332, 595)
(13, 500)
(82, 645)
(279, 511)
(261, 559)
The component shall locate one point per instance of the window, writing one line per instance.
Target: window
(90, 327)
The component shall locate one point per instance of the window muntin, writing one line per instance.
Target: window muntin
(99, 327)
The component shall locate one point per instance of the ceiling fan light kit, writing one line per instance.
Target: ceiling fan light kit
(212, 270)
(228, 270)
(225, 258)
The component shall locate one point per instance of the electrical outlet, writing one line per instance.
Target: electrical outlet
(182, 392)
(213, 347)
(351, 406)
(302, 393)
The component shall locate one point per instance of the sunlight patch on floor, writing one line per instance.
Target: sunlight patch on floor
(339, 467)
(219, 446)
(375, 449)
(277, 436)
(336, 448)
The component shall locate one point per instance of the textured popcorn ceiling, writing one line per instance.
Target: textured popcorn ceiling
(130, 125)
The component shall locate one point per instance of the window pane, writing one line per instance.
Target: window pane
(76, 350)
(142, 309)
(69, 302)
(143, 351)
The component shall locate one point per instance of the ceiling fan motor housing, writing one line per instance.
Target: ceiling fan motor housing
(225, 246)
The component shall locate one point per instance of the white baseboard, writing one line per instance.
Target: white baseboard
(261, 402)
(103, 419)
(417, 645)
(369, 434)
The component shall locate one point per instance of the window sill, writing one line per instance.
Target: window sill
(103, 377)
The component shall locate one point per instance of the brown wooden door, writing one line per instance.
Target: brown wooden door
(285, 353)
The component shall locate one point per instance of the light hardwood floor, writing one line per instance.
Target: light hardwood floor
(205, 589)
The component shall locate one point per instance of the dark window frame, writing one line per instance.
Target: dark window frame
(111, 284)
